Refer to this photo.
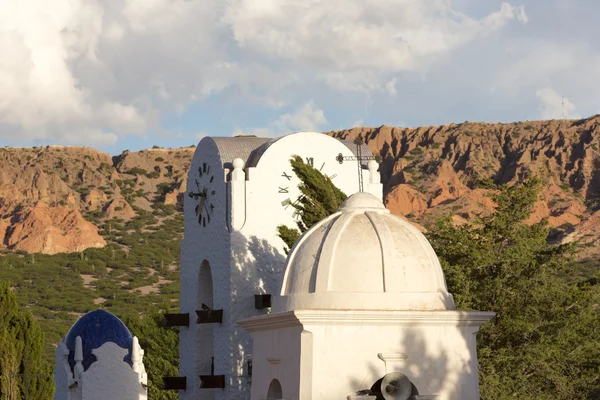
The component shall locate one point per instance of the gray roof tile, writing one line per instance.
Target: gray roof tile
(250, 149)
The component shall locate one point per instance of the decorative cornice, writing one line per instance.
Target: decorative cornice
(302, 318)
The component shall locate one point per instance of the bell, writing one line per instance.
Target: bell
(396, 386)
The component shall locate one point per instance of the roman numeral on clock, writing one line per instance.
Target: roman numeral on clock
(283, 190)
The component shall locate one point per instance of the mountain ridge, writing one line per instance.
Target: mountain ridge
(434, 170)
(52, 198)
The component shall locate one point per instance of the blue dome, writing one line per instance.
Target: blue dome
(96, 328)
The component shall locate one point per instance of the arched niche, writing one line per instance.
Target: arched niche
(205, 338)
(274, 391)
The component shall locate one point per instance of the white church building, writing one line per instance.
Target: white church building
(360, 301)
(358, 309)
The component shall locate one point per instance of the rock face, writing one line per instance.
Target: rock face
(434, 170)
(53, 197)
(44, 229)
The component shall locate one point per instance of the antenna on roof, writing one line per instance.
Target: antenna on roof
(358, 157)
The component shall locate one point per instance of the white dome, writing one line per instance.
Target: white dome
(363, 258)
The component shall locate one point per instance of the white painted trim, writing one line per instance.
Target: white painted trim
(365, 317)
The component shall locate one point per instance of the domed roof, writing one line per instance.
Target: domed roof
(363, 258)
(96, 328)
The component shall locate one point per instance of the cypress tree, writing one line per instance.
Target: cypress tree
(544, 342)
(319, 198)
(23, 373)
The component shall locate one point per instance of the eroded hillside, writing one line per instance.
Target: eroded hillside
(52, 198)
(436, 170)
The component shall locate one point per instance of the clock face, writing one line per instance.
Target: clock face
(288, 183)
(204, 194)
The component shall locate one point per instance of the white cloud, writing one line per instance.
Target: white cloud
(350, 43)
(390, 86)
(506, 13)
(91, 137)
(554, 105)
(308, 118)
(72, 66)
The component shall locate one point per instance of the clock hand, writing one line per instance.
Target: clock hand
(201, 205)
(207, 212)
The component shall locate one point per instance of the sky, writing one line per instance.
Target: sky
(131, 74)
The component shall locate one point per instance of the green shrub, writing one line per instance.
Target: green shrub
(137, 171)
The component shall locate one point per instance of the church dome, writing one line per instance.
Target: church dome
(96, 328)
(363, 258)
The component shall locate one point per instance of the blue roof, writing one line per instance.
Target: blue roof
(96, 328)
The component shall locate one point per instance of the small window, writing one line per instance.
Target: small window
(275, 391)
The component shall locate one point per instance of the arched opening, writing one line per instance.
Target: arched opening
(205, 341)
(274, 391)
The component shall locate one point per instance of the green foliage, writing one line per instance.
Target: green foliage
(105, 168)
(136, 256)
(319, 198)
(161, 351)
(416, 151)
(153, 174)
(137, 171)
(22, 369)
(288, 235)
(158, 159)
(544, 342)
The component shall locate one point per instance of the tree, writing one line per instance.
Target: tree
(545, 341)
(319, 198)
(161, 351)
(23, 373)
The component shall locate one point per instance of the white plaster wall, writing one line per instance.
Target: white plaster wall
(248, 261)
(334, 354)
(438, 359)
(277, 356)
(209, 243)
(109, 377)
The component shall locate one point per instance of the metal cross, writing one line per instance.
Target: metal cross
(358, 158)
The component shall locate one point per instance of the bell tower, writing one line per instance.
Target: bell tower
(364, 313)
(232, 261)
